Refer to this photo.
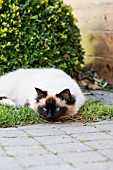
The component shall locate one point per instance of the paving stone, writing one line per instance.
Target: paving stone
(101, 122)
(10, 128)
(92, 136)
(100, 144)
(95, 166)
(44, 132)
(53, 167)
(8, 162)
(108, 153)
(82, 157)
(39, 160)
(67, 124)
(14, 169)
(50, 125)
(105, 127)
(2, 152)
(81, 129)
(68, 147)
(111, 133)
(65, 146)
(12, 133)
(105, 96)
(35, 126)
(18, 141)
(26, 150)
(55, 139)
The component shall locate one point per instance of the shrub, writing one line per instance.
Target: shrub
(39, 33)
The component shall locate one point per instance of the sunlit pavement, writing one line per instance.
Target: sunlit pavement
(65, 146)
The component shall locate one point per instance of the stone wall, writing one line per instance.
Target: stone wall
(95, 19)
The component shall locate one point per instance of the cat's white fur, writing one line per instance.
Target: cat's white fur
(8, 102)
(19, 86)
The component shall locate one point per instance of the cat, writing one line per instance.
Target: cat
(49, 91)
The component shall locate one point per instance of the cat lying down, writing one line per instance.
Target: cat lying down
(50, 92)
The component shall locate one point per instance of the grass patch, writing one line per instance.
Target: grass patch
(92, 111)
(95, 110)
(10, 117)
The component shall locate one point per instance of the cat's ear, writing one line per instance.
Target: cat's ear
(41, 94)
(66, 95)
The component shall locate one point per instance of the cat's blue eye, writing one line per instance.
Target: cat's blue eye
(57, 109)
(44, 109)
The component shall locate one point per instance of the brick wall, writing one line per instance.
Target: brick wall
(95, 19)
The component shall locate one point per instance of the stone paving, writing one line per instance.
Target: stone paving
(66, 146)
(104, 96)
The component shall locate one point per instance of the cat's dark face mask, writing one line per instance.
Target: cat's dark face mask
(54, 107)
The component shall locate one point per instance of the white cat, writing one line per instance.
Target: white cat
(50, 92)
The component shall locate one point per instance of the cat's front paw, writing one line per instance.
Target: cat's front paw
(8, 102)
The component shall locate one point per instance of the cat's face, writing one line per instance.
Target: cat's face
(55, 107)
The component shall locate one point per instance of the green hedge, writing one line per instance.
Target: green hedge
(39, 33)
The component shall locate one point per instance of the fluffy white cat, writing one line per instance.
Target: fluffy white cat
(50, 92)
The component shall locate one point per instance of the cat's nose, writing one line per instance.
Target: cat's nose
(49, 115)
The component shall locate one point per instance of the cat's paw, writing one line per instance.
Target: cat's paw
(8, 102)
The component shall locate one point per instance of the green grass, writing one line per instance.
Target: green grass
(10, 117)
(92, 111)
(96, 111)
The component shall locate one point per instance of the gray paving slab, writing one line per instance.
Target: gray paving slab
(95, 166)
(92, 136)
(25, 141)
(105, 127)
(108, 153)
(55, 139)
(44, 132)
(53, 167)
(2, 152)
(83, 157)
(79, 129)
(39, 160)
(8, 162)
(25, 150)
(12, 133)
(104, 96)
(100, 144)
(111, 133)
(65, 146)
(68, 147)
